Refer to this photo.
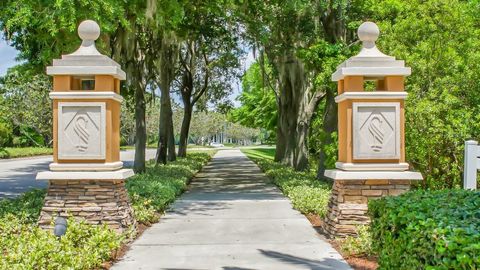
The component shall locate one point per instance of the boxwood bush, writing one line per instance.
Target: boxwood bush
(23, 245)
(427, 230)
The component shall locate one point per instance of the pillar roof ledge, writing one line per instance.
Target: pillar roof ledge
(86, 60)
(370, 62)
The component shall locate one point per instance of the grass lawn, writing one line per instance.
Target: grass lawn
(15, 152)
(260, 153)
(132, 147)
(193, 146)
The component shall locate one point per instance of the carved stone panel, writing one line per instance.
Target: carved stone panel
(376, 130)
(81, 130)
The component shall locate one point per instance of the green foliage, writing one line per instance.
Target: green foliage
(44, 31)
(259, 108)
(27, 206)
(360, 245)
(427, 230)
(5, 134)
(436, 38)
(331, 150)
(23, 245)
(26, 246)
(26, 107)
(308, 195)
(308, 198)
(151, 192)
(144, 211)
(28, 136)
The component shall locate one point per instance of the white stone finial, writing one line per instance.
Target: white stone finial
(370, 62)
(368, 32)
(89, 30)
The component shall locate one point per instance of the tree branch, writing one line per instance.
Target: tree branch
(205, 81)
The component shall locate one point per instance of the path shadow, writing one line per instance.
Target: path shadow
(16, 181)
(236, 268)
(325, 264)
(183, 208)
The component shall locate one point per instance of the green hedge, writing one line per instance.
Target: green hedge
(152, 191)
(427, 230)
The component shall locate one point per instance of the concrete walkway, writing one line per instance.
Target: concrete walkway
(231, 218)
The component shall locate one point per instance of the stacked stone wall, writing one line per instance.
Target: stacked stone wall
(96, 201)
(348, 204)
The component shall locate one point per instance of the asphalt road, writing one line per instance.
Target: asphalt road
(18, 175)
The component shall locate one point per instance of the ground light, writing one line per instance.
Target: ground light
(60, 227)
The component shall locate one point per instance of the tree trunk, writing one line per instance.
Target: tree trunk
(329, 126)
(166, 140)
(164, 126)
(293, 114)
(187, 118)
(172, 156)
(140, 129)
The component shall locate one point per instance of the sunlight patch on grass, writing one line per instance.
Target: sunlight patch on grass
(15, 152)
(261, 153)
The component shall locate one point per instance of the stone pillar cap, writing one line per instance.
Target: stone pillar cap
(86, 60)
(88, 31)
(370, 62)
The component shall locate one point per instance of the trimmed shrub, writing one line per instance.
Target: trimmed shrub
(427, 230)
(360, 245)
(25, 246)
(27, 206)
(152, 191)
(308, 194)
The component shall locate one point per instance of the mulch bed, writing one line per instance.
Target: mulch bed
(356, 262)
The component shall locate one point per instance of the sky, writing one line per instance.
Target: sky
(237, 87)
(7, 56)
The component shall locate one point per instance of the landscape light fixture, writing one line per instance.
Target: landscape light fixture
(60, 227)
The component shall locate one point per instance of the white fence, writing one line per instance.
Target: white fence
(471, 164)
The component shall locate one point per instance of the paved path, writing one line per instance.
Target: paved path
(18, 175)
(231, 218)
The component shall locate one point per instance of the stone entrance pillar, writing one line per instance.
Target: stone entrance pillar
(86, 178)
(371, 135)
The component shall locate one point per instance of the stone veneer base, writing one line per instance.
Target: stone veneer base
(348, 204)
(96, 201)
